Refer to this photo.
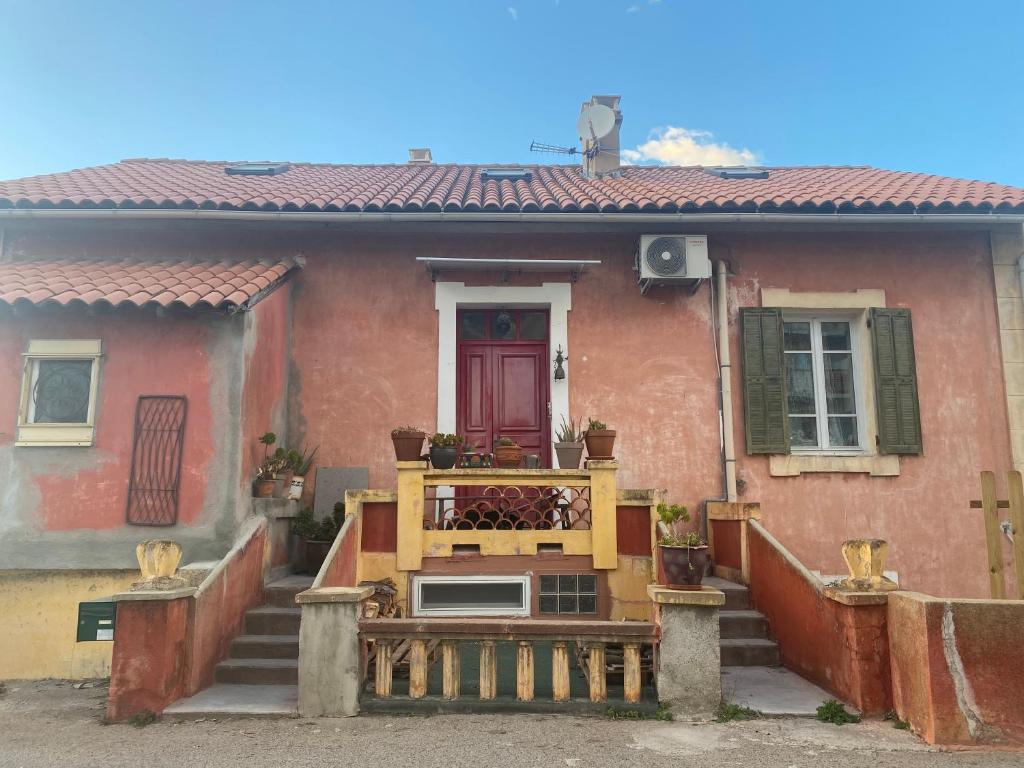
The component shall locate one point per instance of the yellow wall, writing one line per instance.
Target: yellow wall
(628, 587)
(39, 610)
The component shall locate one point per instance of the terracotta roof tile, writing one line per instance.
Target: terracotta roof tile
(551, 188)
(134, 282)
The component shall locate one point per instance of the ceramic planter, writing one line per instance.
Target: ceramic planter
(265, 488)
(682, 567)
(600, 443)
(408, 445)
(295, 488)
(443, 456)
(508, 456)
(569, 455)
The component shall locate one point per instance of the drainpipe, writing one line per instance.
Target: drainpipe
(725, 380)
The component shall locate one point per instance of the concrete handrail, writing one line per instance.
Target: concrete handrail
(252, 526)
(817, 584)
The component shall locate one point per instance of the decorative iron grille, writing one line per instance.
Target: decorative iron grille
(156, 460)
(514, 507)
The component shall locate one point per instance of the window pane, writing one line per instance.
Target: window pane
(842, 431)
(549, 603)
(548, 584)
(588, 603)
(567, 604)
(839, 383)
(474, 325)
(503, 326)
(835, 336)
(588, 584)
(566, 584)
(803, 431)
(61, 392)
(800, 382)
(534, 325)
(796, 337)
(471, 594)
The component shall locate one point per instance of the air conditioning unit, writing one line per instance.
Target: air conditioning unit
(666, 259)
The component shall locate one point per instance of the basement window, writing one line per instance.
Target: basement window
(471, 596)
(256, 169)
(568, 593)
(738, 172)
(512, 174)
(58, 392)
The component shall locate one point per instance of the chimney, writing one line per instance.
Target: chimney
(420, 156)
(601, 158)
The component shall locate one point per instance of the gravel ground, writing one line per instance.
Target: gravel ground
(54, 724)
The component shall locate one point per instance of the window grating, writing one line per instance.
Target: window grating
(156, 460)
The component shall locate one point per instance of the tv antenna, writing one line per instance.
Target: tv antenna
(595, 122)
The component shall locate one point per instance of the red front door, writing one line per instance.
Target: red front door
(503, 379)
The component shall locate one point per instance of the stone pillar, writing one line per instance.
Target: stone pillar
(603, 499)
(1007, 248)
(409, 550)
(689, 666)
(330, 664)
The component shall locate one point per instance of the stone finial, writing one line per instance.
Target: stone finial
(865, 559)
(158, 562)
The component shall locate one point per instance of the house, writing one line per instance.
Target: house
(845, 352)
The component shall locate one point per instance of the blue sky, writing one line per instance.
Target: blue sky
(932, 86)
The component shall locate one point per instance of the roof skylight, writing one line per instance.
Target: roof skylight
(738, 172)
(256, 169)
(512, 174)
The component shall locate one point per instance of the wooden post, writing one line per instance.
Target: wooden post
(989, 504)
(631, 672)
(524, 671)
(488, 670)
(452, 676)
(596, 673)
(383, 683)
(560, 686)
(1016, 494)
(418, 669)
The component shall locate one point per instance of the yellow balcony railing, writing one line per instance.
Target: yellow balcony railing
(506, 512)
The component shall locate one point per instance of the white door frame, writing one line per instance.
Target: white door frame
(450, 296)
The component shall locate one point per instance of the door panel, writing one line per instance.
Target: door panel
(474, 394)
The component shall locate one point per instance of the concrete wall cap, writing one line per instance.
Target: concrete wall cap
(275, 508)
(848, 597)
(334, 595)
(706, 597)
(152, 595)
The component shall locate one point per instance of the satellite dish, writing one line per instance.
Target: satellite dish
(596, 121)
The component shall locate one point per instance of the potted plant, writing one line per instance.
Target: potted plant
(600, 440)
(317, 536)
(444, 450)
(300, 464)
(682, 558)
(569, 444)
(408, 442)
(472, 458)
(268, 469)
(507, 453)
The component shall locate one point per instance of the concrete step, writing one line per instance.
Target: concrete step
(273, 620)
(265, 647)
(283, 591)
(222, 700)
(749, 652)
(258, 671)
(737, 596)
(742, 624)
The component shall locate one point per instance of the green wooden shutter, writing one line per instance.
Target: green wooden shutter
(899, 413)
(764, 381)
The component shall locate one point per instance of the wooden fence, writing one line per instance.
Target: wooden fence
(990, 505)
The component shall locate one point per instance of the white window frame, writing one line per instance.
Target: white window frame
(419, 581)
(820, 399)
(58, 434)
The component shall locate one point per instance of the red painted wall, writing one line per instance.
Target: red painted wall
(633, 531)
(380, 527)
(143, 355)
(842, 648)
(726, 536)
(341, 569)
(956, 671)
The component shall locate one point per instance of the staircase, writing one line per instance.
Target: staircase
(744, 632)
(261, 674)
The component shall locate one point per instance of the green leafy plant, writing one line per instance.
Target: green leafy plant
(569, 431)
(398, 431)
(308, 527)
(670, 514)
(618, 713)
(728, 712)
(507, 441)
(595, 425)
(691, 539)
(443, 440)
(834, 712)
(142, 719)
(301, 462)
(900, 725)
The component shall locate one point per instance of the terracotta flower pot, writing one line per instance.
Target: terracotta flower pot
(508, 456)
(443, 456)
(682, 567)
(569, 455)
(600, 443)
(408, 445)
(265, 488)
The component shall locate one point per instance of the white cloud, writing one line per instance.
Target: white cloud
(513, 13)
(633, 9)
(683, 146)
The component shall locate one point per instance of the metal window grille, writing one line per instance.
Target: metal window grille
(156, 460)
